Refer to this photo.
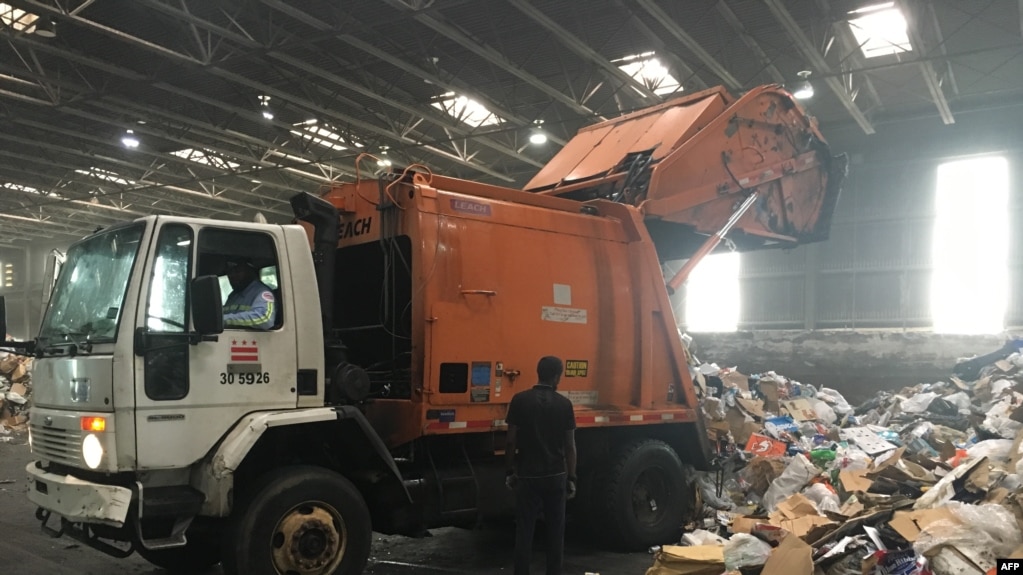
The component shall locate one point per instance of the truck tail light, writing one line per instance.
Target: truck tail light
(94, 424)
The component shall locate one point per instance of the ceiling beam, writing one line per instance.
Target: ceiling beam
(581, 49)
(691, 44)
(853, 57)
(749, 41)
(687, 76)
(914, 25)
(344, 82)
(814, 58)
(490, 55)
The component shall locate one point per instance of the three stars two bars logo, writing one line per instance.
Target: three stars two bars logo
(244, 351)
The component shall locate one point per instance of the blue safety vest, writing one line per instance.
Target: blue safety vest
(252, 307)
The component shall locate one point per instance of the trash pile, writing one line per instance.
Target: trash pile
(15, 392)
(923, 481)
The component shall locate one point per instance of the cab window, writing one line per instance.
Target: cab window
(246, 265)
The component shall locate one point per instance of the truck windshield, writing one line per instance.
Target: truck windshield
(88, 297)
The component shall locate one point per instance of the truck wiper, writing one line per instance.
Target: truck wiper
(74, 347)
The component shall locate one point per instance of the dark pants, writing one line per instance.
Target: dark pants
(533, 495)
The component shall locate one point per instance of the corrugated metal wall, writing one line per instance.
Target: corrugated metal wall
(875, 271)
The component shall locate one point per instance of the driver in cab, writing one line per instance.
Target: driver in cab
(251, 304)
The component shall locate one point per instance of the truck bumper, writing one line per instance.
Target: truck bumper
(76, 500)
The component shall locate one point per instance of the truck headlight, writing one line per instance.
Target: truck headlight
(92, 451)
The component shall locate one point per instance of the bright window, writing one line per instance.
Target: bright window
(970, 285)
(649, 71)
(712, 294)
(467, 110)
(880, 30)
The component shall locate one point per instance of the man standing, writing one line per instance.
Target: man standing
(251, 303)
(541, 461)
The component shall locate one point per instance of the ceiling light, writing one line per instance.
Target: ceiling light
(537, 136)
(129, 140)
(46, 28)
(264, 107)
(384, 161)
(804, 90)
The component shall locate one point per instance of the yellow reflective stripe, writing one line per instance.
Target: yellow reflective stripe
(261, 319)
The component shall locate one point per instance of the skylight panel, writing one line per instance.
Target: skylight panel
(207, 158)
(880, 30)
(21, 188)
(649, 71)
(466, 110)
(17, 19)
(106, 175)
(325, 136)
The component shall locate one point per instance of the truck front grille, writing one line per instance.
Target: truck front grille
(58, 445)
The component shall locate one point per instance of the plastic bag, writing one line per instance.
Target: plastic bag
(745, 550)
(798, 473)
(960, 400)
(836, 400)
(918, 403)
(983, 532)
(996, 449)
(824, 412)
(1003, 426)
(703, 537)
(999, 386)
(824, 498)
(15, 397)
(708, 492)
(852, 459)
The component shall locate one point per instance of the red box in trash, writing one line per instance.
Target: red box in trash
(763, 445)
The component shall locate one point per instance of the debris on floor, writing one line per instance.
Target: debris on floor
(927, 480)
(15, 392)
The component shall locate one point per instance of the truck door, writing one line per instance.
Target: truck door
(189, 393)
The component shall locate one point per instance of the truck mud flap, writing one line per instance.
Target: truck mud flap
(83, 534)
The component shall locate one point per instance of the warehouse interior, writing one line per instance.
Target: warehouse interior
(224, 109)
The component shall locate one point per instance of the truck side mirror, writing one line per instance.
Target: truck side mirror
(207, 308)
(3, 320)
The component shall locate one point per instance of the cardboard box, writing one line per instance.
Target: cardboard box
(853, 481)
(792, 557)
(769, 389)
(800, 409)
(736, 379)
(754, 407)
(909, 524)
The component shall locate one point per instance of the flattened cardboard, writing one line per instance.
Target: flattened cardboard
(754, 407)
(804, 525)
(20, 389)
(735, 378)
(890, 460)
(909, 524)
(740, 428)
(1004, 366)
(855, 481)
(694, 560)
(745, 524)
(797, 506)
(800, 409)
(852, 508)
(792, 557)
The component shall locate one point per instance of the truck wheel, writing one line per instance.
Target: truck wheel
(300, 520)
(643, 496)
(198, 555)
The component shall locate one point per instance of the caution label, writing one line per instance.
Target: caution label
(576, 367)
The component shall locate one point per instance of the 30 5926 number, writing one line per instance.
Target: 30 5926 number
(244, 378)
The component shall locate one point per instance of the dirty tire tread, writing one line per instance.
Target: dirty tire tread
(617, 523)
(238, 551)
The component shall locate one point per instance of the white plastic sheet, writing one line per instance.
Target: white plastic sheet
(797, 474)
(745, 550)
(919, 402)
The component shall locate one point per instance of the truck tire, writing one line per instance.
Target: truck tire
(197, 556)
(300, 519)
(642, 496)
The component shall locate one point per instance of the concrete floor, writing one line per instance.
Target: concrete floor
(25, 550)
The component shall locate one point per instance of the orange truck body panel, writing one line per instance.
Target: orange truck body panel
(502, 277)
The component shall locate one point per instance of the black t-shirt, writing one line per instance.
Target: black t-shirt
(542, 416)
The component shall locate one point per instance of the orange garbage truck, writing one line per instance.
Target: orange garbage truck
(407, 311)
